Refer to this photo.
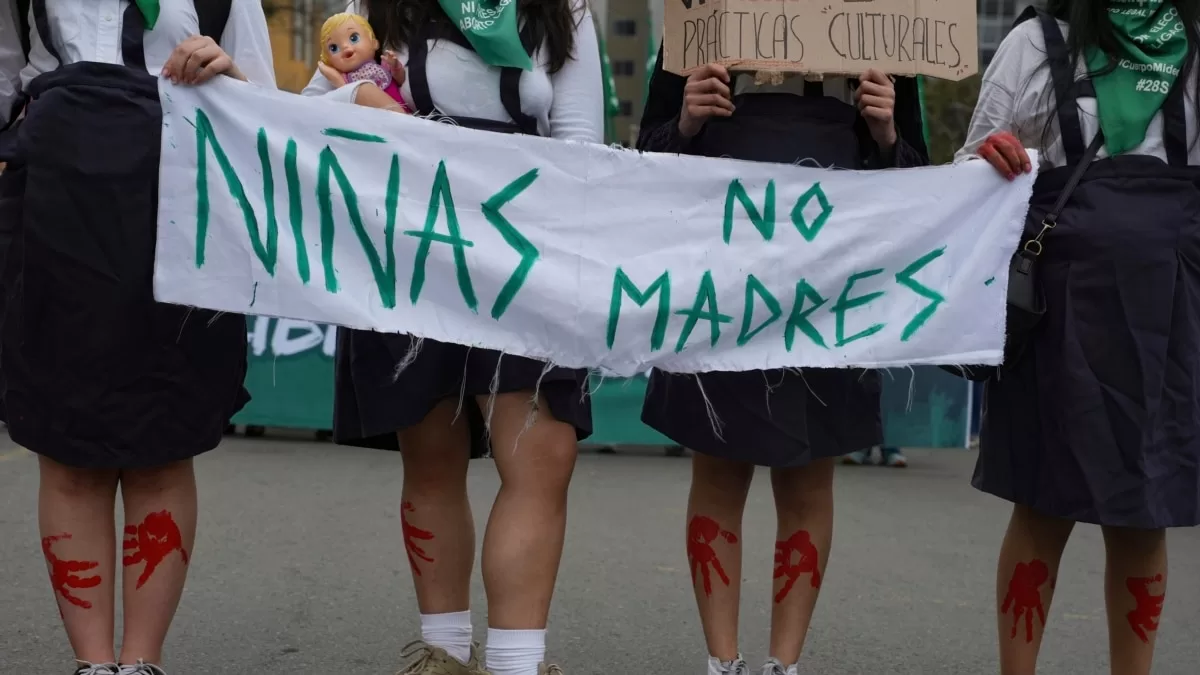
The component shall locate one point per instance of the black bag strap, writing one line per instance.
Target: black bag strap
(41, 21)
(23, 25)
(213, 15)
(510, 78)
(1062, 71)
(1035, 245)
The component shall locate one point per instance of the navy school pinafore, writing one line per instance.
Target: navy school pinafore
(1100, 421)
(95, 373)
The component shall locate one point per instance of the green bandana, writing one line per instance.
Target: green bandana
(150, 10)
(491, 28)
(1153, 46)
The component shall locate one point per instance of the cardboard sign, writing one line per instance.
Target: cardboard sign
(938, 38)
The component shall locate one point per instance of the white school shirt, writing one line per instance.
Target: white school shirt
(568, 105)
(1017, 96)
(90, 30)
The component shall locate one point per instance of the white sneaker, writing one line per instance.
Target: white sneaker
(774, 667)
(141, 668)
(735, 667)
(86, 668)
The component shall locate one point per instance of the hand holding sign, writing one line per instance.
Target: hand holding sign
(876, 99)
(706, 94)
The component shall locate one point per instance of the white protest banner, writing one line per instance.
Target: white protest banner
(938, 38)
(589, 256)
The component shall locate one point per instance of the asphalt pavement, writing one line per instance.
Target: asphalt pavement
(299, 568)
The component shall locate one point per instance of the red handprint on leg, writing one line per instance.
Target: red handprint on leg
(1025, 597)
(795, 556)
(411, 534)
(1144, 617)
(702, 531)
(63, 573)
(152, 541)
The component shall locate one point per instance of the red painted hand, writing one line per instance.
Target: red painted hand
(796, 556)
(1025, 597)
(63, 573)
(1006, 153)
(411, 535)
(1144, 617)
(151, 542)
(702, 531)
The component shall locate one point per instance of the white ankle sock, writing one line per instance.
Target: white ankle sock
(451, 631)
(515, 652)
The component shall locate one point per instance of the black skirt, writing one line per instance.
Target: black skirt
(96, 374)
(372, 402)
(777, 418)
(773, 418)
(1100, 422)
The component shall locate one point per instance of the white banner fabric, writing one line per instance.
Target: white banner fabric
(584, 255)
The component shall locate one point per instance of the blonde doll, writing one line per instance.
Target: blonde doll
(348, 47)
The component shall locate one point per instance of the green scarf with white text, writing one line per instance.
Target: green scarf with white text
(491, 27)
(1153, 46)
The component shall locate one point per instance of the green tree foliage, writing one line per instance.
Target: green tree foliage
(948, 108)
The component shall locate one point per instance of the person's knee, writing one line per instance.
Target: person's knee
(531, 447)
(1132, 542)
(721, 475)
(164, 476)
(804, 487)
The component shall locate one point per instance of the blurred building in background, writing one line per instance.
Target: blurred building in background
(295, 27)
(627, 34)
(995, 19)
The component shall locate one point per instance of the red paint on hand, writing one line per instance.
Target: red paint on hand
(1025, 596)
(63, 573)
(411, 535)
(1144, 617)
(701, 532)
(151, 542)
(796, 556)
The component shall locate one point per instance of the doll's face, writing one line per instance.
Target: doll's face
(350, 46)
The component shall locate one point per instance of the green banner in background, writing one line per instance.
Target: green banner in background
(290, 376)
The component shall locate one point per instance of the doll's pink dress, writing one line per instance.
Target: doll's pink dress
(374, 72)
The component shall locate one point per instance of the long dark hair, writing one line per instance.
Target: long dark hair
(553, 22)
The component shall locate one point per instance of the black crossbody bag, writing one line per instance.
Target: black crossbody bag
(1026, 303)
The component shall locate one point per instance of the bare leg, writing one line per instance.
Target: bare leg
(438, 530)
(1135, 586)
(1025, 581)
(160, 529)
(524, 540)
(714, 546)
(77, 524)
(804, 504)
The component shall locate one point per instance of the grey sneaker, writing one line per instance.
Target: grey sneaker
(551, 669)
(774, 667)
(425, 659)
(85, 668)
(866, 457)
(735, 667)
(140, 668)
(894, 458)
